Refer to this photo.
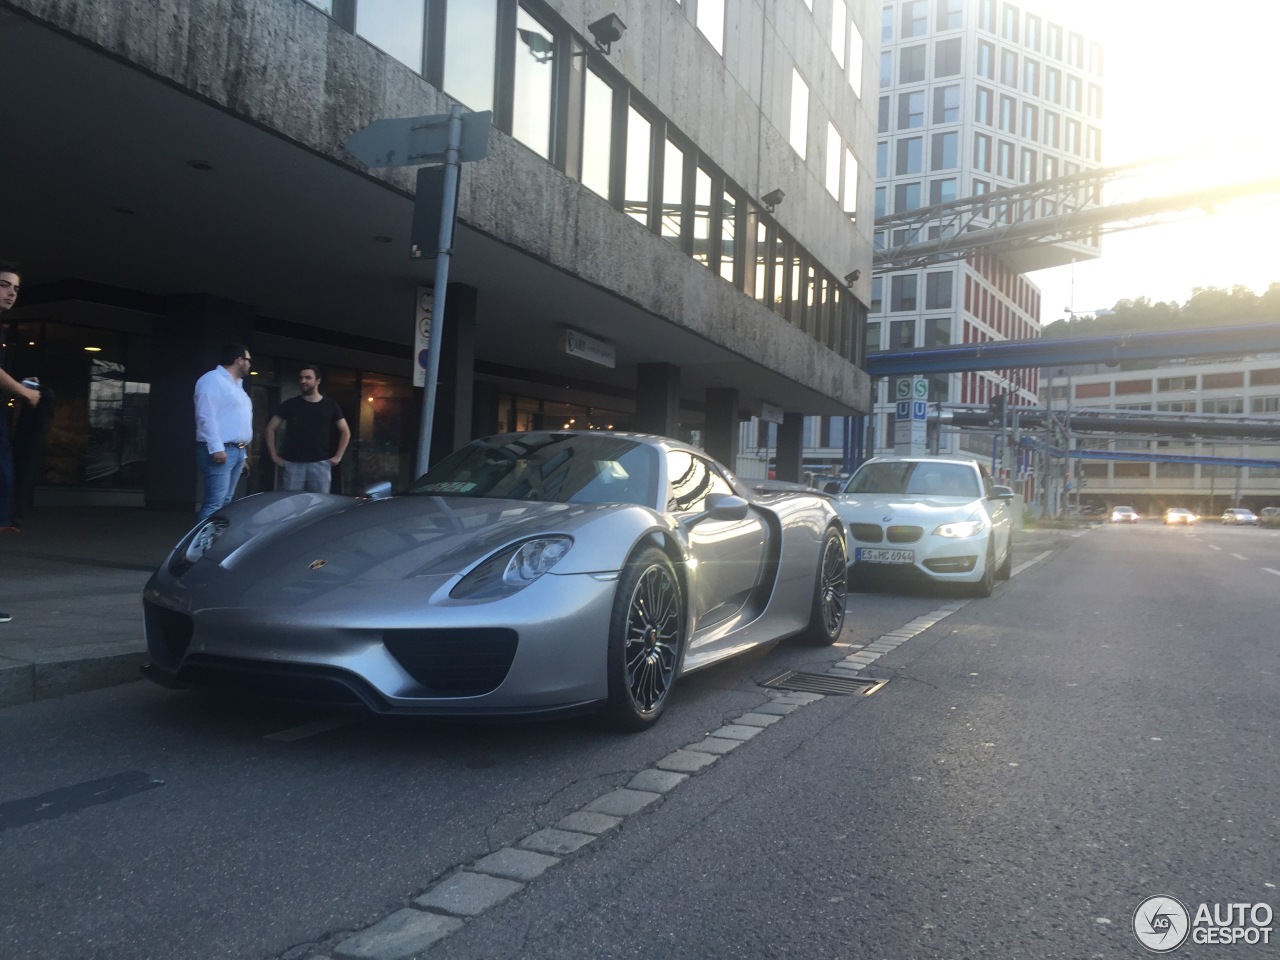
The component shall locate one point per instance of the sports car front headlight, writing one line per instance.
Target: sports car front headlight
(196, 544)
(959, 529)
(512, 568)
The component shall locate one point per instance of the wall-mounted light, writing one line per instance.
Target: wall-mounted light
(540, 48)
(772, 199)
(607, 30)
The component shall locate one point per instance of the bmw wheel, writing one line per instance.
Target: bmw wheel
(1005, 570)
(646, 641)
(830, 593)
(984, 586)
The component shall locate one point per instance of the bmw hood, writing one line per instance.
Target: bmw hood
(895, 507)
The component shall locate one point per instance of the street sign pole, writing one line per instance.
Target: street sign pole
(448, 208)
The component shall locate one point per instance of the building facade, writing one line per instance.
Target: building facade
(676, 188)
(975, 96)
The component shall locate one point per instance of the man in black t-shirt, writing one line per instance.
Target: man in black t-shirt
(308, 455)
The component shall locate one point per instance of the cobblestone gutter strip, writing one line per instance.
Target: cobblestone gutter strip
(472, 889)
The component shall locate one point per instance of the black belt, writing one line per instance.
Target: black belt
(236, 443)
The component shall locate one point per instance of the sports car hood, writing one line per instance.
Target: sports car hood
(883, 507)
(339, 542)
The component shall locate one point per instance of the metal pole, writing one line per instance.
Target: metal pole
(449, 203)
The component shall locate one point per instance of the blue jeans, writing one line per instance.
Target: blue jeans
(219, 479)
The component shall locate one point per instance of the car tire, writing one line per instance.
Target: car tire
(830, 594)
(1005, 570)
(984, 586)
(646, 641)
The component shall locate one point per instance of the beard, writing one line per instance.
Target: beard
(308, 390)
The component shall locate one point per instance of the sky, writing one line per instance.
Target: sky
(1195, 83)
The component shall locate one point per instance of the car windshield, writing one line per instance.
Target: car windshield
(923, 478)
(556, 467)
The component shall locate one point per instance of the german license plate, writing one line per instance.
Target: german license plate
(880, 555)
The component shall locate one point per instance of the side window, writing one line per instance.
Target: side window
(692, 478)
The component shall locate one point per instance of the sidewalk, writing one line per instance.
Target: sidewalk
(72, 581)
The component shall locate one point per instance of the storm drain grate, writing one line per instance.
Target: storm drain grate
(824, 683)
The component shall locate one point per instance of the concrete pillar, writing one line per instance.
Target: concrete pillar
(184, 348)
(721, 434)
(453, 419)
(790, 447)
(657, 399)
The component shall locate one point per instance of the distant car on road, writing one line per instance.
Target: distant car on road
(1179, 515)
(939, 519)
(1124, 515)
(1239, 515)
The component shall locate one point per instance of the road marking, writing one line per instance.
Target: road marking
(66, 800)
(311, 729)
(1214, 546)
(1238, 557)
(1269, 570)
(1022, 566)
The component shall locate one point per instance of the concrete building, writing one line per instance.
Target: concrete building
(656, 240)
(975, 96)
(1225, 390)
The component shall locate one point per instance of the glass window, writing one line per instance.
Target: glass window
(1075, 50)
(1009, 24)
(834, 148)
(1030, 126)
(950, 14)
(839, 25)
(1031, 34)
(799, 113)
(1095, 101)
(915, 18)
(1073, 92)
(882, 204)
(702, 216)
(711, 22)
(937, 333)
(911, 110)
(886, 68)
(983, 106)
(1053, 38)
(672, 193)
(1072, 144)
(396, 26)
(1004, 159)
(911, 68)
(535, 57)
(470, 40)
(902, 296)
(906, 196)
(986, 59)
(910, 155)
(325, 5)
(942, 191)
(1051, 129)
(902, 334)
(850, 182)
(1093, 143)
(639, 147)
(1007, 119)
(945, 152)
(987, 15)
(982, 152)
(728, 231)
(1031, 77)
(854, 71)
(937, 290)
(1027, 165)
(1052, 80)
(1009, 68)
(692, 479)
(946, 58)
(886, 24)
(877, 304)
(761, 264)
(946, 104)
(882, 124)
(597, 133)
(882, 159)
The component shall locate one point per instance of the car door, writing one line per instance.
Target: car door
(729, 554)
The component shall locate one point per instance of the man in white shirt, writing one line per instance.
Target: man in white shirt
(224, 427)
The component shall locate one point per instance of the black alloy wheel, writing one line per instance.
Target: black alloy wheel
(831, 593)
(646, 641)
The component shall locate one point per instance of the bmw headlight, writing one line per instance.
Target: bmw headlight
(196, 545)
(960, 529)
(512, 568)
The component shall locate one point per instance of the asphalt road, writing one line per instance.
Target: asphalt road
(1102, 729)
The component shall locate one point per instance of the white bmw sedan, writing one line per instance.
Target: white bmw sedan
(937, 518)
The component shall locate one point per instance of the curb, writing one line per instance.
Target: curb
(25, 682)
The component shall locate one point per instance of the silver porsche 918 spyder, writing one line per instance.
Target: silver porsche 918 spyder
(528, 573)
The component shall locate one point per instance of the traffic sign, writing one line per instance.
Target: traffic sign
(919, 410)
(411, 141)
(904, 410)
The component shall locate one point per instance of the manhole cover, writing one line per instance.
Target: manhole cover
(824, 683)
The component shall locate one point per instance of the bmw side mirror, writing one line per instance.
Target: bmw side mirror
(1003, 493)
(832, 486)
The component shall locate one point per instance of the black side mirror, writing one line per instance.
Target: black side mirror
(832, 486)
